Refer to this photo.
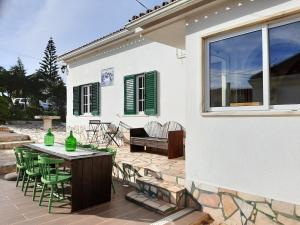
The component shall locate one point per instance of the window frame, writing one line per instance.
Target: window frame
(89, 102)
(137, 93)
(264, 28)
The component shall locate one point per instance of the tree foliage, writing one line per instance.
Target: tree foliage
(55, 89)
(44, 85)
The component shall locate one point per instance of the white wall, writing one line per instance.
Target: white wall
(140, 56)
(257, 155)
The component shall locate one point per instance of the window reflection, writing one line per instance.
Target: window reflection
(235, 71)
(285, 64)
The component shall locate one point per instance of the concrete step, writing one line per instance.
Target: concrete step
(12, 144)
(153, 204)
(163, 190)
(8, 137)
(186, 216)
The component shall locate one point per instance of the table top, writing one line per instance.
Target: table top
(59, 151)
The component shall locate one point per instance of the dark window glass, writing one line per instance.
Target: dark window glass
(235, 71)
(285, 64)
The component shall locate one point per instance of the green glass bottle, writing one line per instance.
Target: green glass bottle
(49, 138)
(71, 143)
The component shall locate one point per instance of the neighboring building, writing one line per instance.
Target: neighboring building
(228, 71)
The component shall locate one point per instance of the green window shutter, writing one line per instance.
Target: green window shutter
(130, 95)
(77, 100)
(95, 99)
(151, 93)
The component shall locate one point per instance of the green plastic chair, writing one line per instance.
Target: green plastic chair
(20, 164)
(32, 170)
(52, 176)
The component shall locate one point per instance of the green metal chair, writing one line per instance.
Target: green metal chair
(52, 176)
(32, 170)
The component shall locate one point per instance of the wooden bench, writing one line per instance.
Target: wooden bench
(155, 138)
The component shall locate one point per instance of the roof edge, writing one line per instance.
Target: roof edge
(160, 13)
(101, 42)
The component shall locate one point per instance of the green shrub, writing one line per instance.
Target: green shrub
(4, 109)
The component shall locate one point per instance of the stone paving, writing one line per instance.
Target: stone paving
(172, 169)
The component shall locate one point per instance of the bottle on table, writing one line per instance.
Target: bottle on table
(49, 138)
(71, 143)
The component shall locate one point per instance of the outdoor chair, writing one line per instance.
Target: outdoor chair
(20, 164)
(128, 173)
(92, 132)
(52, 176)
(32, 171)
(112, 134)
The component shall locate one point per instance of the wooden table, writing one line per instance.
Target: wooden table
(91, 174)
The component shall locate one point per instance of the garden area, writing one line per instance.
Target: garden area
(23, 96)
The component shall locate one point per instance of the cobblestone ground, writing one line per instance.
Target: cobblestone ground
(36, 132)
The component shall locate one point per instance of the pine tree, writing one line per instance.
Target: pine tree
(48, 66)
(55, 90)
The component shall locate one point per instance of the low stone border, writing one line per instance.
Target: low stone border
(238, 208)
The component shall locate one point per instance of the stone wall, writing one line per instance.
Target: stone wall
(236, 208)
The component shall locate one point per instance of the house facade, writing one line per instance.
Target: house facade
(228, 71)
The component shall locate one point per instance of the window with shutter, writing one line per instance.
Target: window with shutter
(151, 93)
(95, 99)
(77, 100)
(130, 95)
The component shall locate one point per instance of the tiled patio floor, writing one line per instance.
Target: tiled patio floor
(17, 209)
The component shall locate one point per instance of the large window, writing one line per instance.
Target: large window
(285, 64)
(255, 69)
(235, 71)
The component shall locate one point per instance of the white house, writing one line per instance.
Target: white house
(228, 71)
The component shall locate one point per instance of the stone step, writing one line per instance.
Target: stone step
(7, 161)
(8, 168)
(4, 129)
(12, 144)
(9, 137)
(153, 204)
(162, 190)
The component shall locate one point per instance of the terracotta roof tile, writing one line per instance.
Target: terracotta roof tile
(163, 4)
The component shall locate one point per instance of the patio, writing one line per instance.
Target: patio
(17, 209)
(130, 168)
(172, 170)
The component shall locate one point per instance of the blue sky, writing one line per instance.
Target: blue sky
(26, 25)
